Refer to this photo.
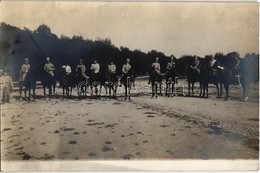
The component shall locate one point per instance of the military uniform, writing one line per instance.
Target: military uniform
(112, 68)
(95, 67)
(126, 68)
(49, 68)
(82, 68)
(6, 87)
(24, 70)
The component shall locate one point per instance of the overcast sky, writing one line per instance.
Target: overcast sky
(170, 27)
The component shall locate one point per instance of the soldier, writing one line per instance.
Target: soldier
(155, 68)
(170, 64)
(81, 68)
(6, 87)
(24, 69)
(126, 67)
(111, 68)
(49, 67)
(95, 67)
(67, 69)
(195, 64)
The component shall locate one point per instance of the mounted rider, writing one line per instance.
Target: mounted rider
(111, 68)
(67, 69)
(81, 68)
(49, 67)
(195, 64)
(156, 67)
(127, 70)
(170, 70)
(95, 70)
(24, 69)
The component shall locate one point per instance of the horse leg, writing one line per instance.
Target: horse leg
(125, 92)
(217, 88)
(129, 94)
(115, 90)
(21, 90)
(33, 89)
(50, 92)
(25, 93)
(152, 90)
(172, 89)
(156, 88)
(220, 89)
(207, 90)
(200, 89)
(192, 89)
(54, 86)
(44, 92)
(29, 93)
(166, 90)
(226, 85)
(160, 88)
(189, 87)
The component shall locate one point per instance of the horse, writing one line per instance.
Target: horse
(48, 81)
(171, 79)
(82, 83)
(28, 84)
(127, 79)
(155, 78)
(193, 76)
(96, 82)
(67, 83)
(210, 75)
(111, 84)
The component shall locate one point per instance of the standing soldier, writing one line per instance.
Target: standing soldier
(6, 87)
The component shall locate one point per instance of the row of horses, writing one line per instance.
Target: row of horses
(205, 75)
(219, 75)
(94, 82)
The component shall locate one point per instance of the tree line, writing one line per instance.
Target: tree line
(17, 44)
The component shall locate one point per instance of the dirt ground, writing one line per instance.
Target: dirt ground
(165, 128)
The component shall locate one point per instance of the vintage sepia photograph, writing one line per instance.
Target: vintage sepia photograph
(129, 86)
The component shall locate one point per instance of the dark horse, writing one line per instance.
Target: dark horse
(82, 83)
(155, 79)
(210, 75)
(96, 82)
(127, 80)
(193, 76)
(171, 79)
(67, 83)
(111, 84)
(48, 81)
(29, 84)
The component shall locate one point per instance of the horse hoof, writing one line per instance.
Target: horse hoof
(246, 99)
